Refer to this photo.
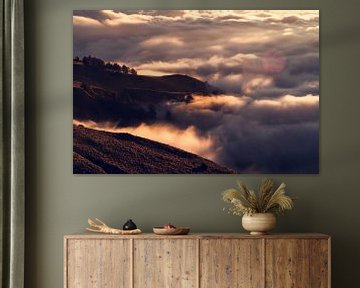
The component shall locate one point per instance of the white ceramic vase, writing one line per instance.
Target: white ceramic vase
(259, 223)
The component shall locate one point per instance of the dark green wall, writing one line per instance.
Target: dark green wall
(59, 203)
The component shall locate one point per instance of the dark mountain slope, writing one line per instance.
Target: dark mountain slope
(126, 99)
(117, 81)
(98, 152)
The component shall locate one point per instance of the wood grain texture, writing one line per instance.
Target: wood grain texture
(197, 260)
(98, 264)
(88, 235)
(319, 263)
(287, 263)
(164, 263)
(231, 263)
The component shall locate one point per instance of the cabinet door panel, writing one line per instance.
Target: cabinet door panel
(319, 263)
(231, 263)
(166, 263)
(98, 264)
(287, 263)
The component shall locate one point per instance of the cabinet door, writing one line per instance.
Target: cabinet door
(98, 263)
(287, 263)
(231, 263)
(320, 263)
(165, 263)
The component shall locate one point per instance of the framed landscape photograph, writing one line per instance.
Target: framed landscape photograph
(195, 91)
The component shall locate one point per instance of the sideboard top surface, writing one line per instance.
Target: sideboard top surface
(86, 235)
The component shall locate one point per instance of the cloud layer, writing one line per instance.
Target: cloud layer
(257, 135)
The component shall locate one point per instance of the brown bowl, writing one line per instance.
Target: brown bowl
(171, 231)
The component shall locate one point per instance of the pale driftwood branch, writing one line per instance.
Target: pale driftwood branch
(101, 227)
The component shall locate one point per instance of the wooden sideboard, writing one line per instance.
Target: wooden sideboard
(197, 260)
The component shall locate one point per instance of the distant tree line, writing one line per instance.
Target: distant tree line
(100, 64)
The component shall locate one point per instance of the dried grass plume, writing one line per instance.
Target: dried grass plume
(267, 200)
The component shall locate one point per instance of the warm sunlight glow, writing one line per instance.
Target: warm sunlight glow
(119, 18)
(288, 101)
(185, 139)
(84, 21)
(162, 40)
(257, 82)
(219, 102)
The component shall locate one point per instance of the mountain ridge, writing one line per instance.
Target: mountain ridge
(100, 152)
(129, 100)
(101, 95)
(117, 81)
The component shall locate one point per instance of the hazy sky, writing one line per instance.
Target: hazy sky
(268, 60)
